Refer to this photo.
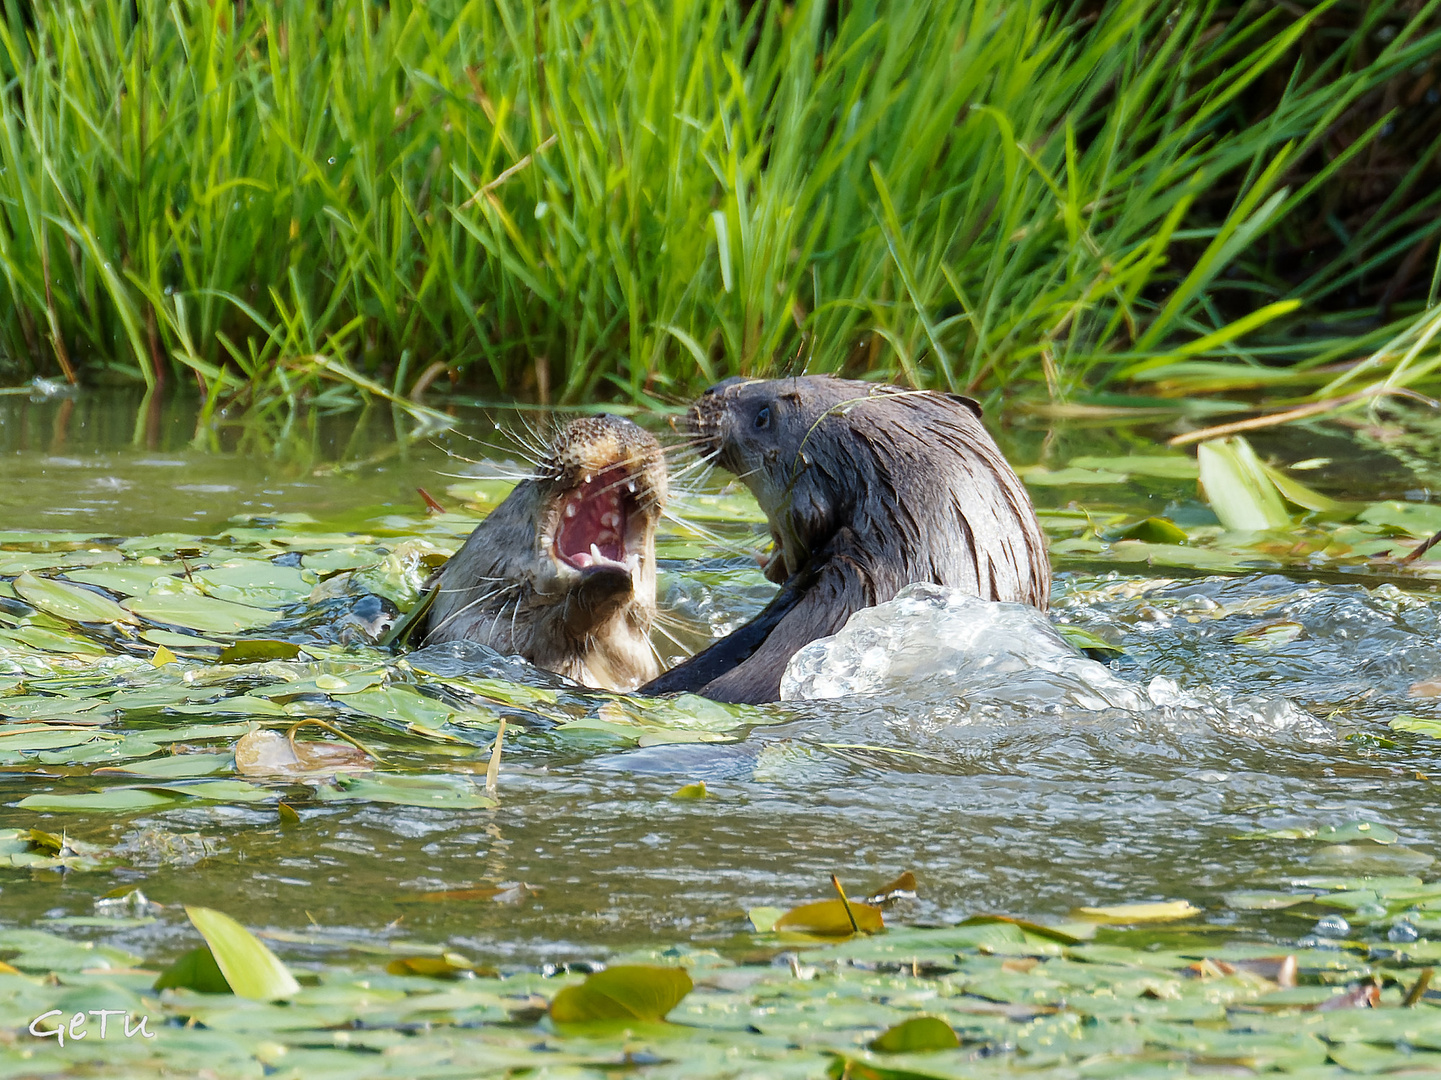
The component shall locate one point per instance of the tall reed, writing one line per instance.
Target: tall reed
(572, 198)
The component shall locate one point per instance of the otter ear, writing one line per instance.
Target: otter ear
(970, 403)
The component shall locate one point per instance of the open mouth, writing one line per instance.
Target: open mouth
(595, 523)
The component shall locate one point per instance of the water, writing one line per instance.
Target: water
(997, 805)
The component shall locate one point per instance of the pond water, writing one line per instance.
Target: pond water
(995, 808)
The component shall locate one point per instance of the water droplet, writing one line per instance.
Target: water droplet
(331, 160)
(170, 290)
(1403, 933)
(1332, 926)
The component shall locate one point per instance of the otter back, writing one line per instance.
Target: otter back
(867, 489)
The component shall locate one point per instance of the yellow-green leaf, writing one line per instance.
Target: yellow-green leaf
(252, 970)
(629, 992)
(828, 918)
(917, 1034)
(1134, 913)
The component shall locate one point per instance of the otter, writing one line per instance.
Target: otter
(563, 571)
(867, 488)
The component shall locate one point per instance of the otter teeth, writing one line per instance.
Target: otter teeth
(571, 510)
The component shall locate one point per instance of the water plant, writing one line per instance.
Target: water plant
(575, 198)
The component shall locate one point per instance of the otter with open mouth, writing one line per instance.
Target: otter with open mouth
(563, 571)
(867, 489)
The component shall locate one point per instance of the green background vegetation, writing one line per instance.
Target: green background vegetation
(578, 198)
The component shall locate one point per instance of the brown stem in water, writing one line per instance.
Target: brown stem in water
(855, 926)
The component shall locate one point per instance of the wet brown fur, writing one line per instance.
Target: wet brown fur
(867, 489)
(505, 587)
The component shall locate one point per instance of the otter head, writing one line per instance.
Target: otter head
(773, 435)
(563, 571)
(601, 489)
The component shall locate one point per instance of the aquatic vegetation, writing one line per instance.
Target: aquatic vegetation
(987, 997)
(295, 852)
(338, 200)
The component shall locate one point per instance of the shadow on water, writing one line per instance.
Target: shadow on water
(1013, 809)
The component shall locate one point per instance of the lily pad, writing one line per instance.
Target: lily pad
(1123, 914)
(118, 800)
(628, 992)
(453, 793)
(195, 612)
(70, 602)
(918, 1034)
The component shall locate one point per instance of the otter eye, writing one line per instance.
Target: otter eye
(763, 418)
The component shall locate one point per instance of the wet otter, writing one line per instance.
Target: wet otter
(867, 489)
(563, 571)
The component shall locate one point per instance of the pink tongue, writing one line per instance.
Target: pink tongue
(598, 499)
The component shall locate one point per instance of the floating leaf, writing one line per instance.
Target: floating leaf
(918, 1034)
(407, 705)
(251, 970)
(1134, 913)
(763, 919)
(244, 705)
(174, 766)
(829, 918)
(1265, 901)
(130, 578)
(1161, 466)
(1155, 530)
(455, 793)
(249, 650)
(171, 640)
(1040, 476)
(70, 602)
(203, 613)
(448, 965)
(1356, 830)
(162, 657)
(1237, 487)
(217, 790)
(1419, 725)
(696, 790)
(631, 992)
(114, 800)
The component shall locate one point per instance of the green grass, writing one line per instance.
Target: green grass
(583, 198)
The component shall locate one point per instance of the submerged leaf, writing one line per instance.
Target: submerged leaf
(251, 970)
(628, 992)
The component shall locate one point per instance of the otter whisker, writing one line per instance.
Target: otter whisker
(656, 626)
(479, 600)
